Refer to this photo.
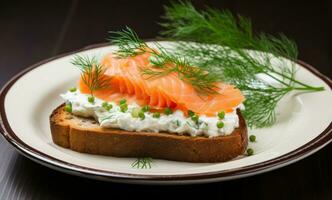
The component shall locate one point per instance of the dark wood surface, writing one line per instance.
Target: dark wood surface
(32, 30)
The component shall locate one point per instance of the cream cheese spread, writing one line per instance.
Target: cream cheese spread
(176, 122)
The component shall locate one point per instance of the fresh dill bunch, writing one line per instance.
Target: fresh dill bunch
(128, 42)
(163, 61)
(92, 73)
(224, 44)
(184, 22)
(142, 163)
(260, 105)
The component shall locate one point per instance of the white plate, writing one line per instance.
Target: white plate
(303, 127)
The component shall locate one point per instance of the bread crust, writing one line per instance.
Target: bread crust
(86, 136)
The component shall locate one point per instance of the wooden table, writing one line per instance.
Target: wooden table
(33, 31)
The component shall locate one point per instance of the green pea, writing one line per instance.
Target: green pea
(91, 99)
(250, 152)
(141, 115)
(134, 112)
(69, 108)
(122, 101)
(252, 138)
(168, 111)
(145, 108)
(191, 113)
(73, 89)
(220, 124)
(221, 115)
(107, 106)
(123, 107)
(156, 115)
(104, 104)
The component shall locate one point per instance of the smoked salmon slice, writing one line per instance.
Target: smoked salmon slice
(127, 81)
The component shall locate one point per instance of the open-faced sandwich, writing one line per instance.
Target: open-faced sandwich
(181, 103)
(130, 115)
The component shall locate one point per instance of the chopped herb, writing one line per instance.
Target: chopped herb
(221, 115)
(69, 108)
(123, 107)
(73, 89)
(146, 109)
(191, 113)
(220, 124)
(104, 104)
(91, 99)
(156, 115)
(252, 138)
(107, 117)
(134, 112)
(107, 106)
(205, 126)
(193, 125)
(250, 152)
(178, 123)
(122, 101)
(168, 111)
(195, 118)
(141, 115)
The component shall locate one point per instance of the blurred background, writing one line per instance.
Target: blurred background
(34, 30)
(31, 31)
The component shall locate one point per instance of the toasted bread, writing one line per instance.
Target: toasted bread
(86, 136)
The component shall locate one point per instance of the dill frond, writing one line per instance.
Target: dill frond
(92, 73)
(163, 61)
(128, 42)
(142, 163)
(225, 45)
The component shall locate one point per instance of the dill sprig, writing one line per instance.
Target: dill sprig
(142, 163)
(163, 61)
(129, 43)
(225, 45)
(91, 73)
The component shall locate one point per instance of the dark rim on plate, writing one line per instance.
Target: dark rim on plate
(314, 145)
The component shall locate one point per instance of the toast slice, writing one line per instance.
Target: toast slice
(86, 136)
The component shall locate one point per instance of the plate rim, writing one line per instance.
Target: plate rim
(307, 149)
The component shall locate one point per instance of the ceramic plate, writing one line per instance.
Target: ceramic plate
(303, 127)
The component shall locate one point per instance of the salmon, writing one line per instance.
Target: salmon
(127, 81)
